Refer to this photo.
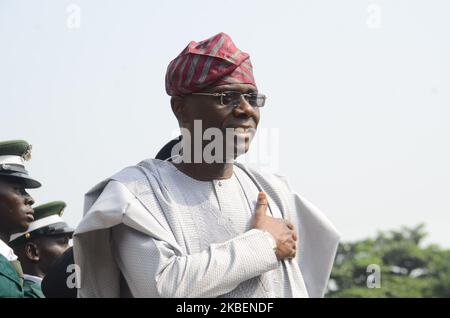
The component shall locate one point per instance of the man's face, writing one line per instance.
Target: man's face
(50, 248)
(209, 110)
(16, 212)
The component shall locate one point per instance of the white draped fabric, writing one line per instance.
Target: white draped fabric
(152, 231)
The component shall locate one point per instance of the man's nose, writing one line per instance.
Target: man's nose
(244, 108)
(28, 199)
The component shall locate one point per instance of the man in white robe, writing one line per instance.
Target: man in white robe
(196, 228)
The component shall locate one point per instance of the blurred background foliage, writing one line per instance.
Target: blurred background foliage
(407, 268)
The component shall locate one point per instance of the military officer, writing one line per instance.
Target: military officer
(39, 248)
(16, 212)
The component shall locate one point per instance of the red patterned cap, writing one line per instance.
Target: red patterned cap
(212, 62)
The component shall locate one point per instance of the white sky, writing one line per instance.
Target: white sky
(358, 95)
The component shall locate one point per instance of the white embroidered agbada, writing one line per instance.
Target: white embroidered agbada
(152, 231)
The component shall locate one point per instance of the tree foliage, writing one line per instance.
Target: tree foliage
(406, 268)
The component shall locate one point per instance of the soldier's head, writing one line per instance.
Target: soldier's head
(16, 212)
(46, 239)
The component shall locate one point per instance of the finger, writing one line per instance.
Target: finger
(289, 225)
(261, 204)
(294, 236)
(293, 252)
(262, 198)
(290, 254)
(293, 245)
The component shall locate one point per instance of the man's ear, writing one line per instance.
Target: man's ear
(32, 252)
(177, 104)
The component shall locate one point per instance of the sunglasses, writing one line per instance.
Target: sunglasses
(233, 99)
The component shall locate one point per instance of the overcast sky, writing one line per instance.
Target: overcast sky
(357, 115)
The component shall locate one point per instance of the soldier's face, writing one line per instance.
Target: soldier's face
(16, 212)
(50, 249)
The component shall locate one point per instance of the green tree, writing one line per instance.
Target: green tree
(407, 269)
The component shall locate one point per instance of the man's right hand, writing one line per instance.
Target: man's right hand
(282, 230)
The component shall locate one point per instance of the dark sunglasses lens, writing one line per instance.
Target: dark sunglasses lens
(256, 100)
(231, 98)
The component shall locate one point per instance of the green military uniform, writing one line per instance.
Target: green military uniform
(47, 222)
(32, 288)
(11, 279)
(13, 155)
